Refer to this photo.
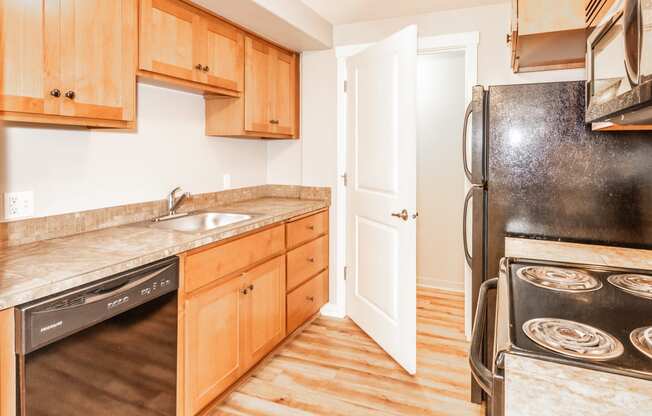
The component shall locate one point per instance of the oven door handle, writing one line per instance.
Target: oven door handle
(481, 373)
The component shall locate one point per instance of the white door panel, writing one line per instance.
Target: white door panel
(381, 164)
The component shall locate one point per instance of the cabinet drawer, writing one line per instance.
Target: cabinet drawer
(306, 229)
(306, 300)
(211, 264)
(306, 261)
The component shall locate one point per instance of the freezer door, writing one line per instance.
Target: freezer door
(474, 152)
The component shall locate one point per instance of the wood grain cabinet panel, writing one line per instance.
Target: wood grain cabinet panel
(68, 61)
(213, 342)
(306, 261)
(224, 59)
(170, 34)
(98, 59)
(306, 300)
(283, 108)
(259, 58)
(208, 265)
(265, 310)
(306, 229)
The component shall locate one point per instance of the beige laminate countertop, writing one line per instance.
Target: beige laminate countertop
(32, 271)
(579, 253)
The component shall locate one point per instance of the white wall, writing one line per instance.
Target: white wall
(313, 160)
(72, 169)
(440, 188)
(493, 52)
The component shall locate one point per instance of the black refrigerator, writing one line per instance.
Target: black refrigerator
(538, 171)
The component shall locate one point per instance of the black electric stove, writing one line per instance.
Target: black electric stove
(594, 301)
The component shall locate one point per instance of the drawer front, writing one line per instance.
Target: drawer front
(307, 229)
(306, 300)
(306, 261)
(209, 265)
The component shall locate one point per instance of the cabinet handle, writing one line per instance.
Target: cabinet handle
(70, 95)
(55, 93)
(273, 121)
(311, 259)
(206, 69)
(311, 227)
(310, 298)
(199, 66)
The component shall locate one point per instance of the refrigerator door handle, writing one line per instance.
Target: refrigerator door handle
(469, 196)
(467, 115)
(481, 373)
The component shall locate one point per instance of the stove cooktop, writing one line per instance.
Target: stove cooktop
(589, 316)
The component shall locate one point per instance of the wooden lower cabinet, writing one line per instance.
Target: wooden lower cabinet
(230, 326)
(7, 364)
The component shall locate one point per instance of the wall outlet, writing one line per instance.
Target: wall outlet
(227, 181)
(19, 204)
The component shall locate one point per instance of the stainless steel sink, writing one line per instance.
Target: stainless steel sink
(197, 222)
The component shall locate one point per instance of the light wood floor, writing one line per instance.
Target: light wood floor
(333, 368)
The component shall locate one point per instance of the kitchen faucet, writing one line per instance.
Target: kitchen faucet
(173, 203)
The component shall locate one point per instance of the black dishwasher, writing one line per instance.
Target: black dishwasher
(108, 348)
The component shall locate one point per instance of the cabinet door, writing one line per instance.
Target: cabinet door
(264, 320)
(28, 36)
(98, 60)
(170, 32)
(224, 62)
(213, 327)
(285, 84)
(259, 62)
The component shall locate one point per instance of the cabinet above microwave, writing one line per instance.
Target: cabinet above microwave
(619, 67)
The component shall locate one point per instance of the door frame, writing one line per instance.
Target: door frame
(468, 43)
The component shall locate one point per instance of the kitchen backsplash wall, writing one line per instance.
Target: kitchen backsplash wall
(71, 169)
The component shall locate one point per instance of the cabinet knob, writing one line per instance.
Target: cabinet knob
(55, 93)
(244, 291)
(273, 121)
(70, 95)
(251, 288)
(311, 259)
(199, 66)
(206, 69)
(310, 298)
(311, 227)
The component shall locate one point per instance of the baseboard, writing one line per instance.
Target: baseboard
(436, 283)
(333, 310)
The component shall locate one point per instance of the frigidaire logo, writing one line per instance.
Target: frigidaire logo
(52, 326)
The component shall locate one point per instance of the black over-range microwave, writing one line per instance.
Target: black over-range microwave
(619, 66)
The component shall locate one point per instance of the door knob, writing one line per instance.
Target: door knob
(55, 93)
(70, 95)
(402, 215)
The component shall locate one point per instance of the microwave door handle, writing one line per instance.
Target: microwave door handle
(481, 373)
(465, 162)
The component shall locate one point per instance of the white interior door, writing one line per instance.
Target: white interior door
(381, 164)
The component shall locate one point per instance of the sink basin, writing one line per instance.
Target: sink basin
(199, 221)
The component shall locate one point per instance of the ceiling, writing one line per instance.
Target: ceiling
(349, 11)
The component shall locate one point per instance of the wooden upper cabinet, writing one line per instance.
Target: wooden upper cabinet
(98, 59)
(183, 45)
(169, 39)
(264, 321)
(269, 107)
(23, 86)
(224, 60)
(547, 35)
(68, 61)
(213, 328)
(283, 109)
(259, 61)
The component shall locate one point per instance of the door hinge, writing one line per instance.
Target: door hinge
(345, 272)
(346, 86)
(345, 178)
